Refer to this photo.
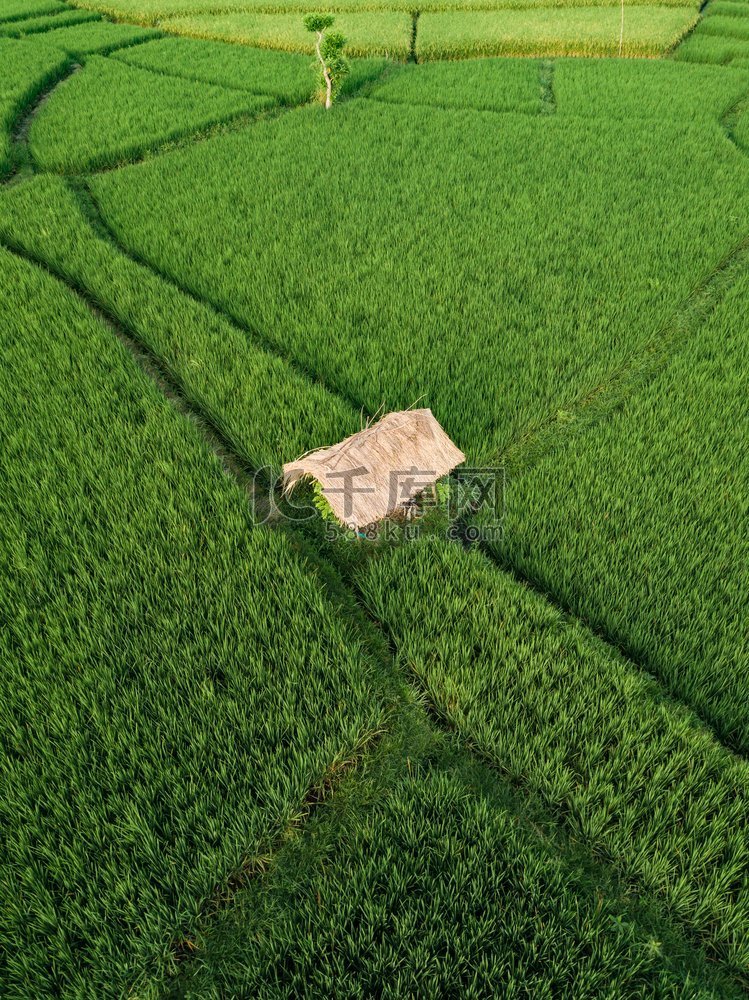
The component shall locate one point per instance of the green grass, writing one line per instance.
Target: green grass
(17, 10)
(36, 25)
(635, 778)
(386, 33)
(436, 229)
(99, 37)
(423, 881)
(268, 412)
(172, 675)
(27, 71)
(613, 89)
(649, 31)
(635, 527)
(481, 84)
(127, 111)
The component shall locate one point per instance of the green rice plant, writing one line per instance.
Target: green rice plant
(153, 11)
(465, 275)
(28, 68)
(635, 778)
(741, 131)
(649, 31)
(173, 675)
(7, 118)
(27, 71)
(703, 48)
(728, 8)
(429, 884)
(17, 10)
(481, 84)
(100, 37)
(621, 89)
(36, 25)
(725, 27)
(721, 36)
(268, 412)
(127, 111)
(386, 33)
(653, 89)
(638, 528)
(284, 75)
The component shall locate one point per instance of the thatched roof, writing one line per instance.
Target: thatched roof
(379, 470)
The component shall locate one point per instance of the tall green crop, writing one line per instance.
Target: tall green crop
(464, 273)
(127, 111)
(432, 887)
(267, 410)
(27, 70)
(638, 527)
(172, 674)
(632, 775)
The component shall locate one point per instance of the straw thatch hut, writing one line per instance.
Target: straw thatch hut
(380, 470)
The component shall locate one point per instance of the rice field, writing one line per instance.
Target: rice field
(97, 37)
(582, 31)
(153, 11)
(569, 298)
(741, 131)
(647, 89)
(679, 612)
(127, 111)
(285, 77)
(150, 697)
(27, 70)
(498, 751)
(577, 31)
(638, 779)
(258, 71)
(479, 84)
(426, 849)
(381, 33)
(35, 25)
(17, 10)
(261, 405)
(720, 37)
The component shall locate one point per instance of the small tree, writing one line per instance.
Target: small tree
(329, 50)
